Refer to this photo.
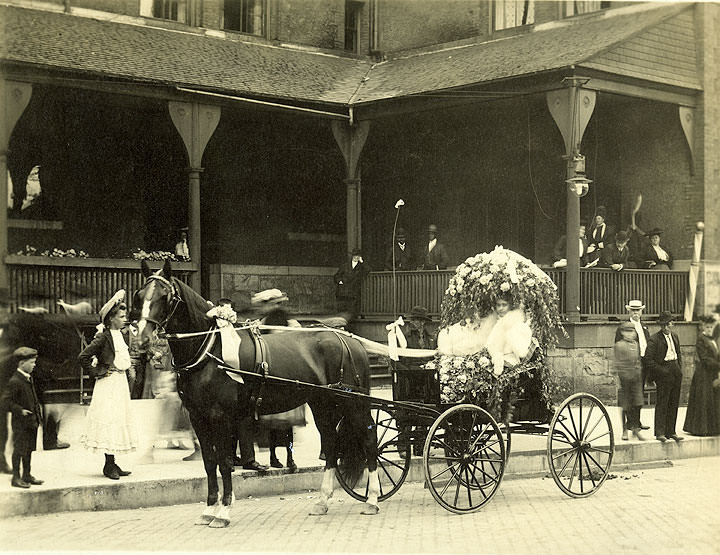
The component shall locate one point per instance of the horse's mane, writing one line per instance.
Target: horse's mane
(197, 306)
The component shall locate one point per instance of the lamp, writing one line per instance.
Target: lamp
(579, 185)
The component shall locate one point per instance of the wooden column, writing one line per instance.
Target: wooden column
(196, 123)
(15, 97)
(351, 139)
(571, 109)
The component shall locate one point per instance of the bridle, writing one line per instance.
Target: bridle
(173, 300)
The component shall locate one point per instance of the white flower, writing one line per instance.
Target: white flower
(475, 274)
(446, 390)
(494, 268)
(505, 286)
(458, 362)
(399, 203)
(485, 279)
(463, 270)
(484, 361)
(462, 378)
(530, 282)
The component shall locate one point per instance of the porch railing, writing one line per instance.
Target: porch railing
(603, 293)
(36, 281)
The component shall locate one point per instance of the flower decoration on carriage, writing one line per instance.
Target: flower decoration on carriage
(224, 314)
(483, 356)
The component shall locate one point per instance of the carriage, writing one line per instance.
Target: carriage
(369, 441)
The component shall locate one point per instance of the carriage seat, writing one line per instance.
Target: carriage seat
(335, 321)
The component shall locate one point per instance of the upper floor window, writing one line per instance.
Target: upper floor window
(246, 16)
(513, 13)
(574, 7)
(175, 10)
(352, 25)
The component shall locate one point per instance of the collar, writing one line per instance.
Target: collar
(28, 377)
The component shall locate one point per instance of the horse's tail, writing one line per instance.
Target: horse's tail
(356, 433)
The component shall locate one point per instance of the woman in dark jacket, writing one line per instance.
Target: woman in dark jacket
(703, 411)
(110, 425)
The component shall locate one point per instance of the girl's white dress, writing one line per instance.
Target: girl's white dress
(110, 426)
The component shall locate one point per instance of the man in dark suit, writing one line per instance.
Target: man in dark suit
(434, 255)
(23, 403)
(665, 368)
(616, 256)
(348, 280)
(403, 257)
(560, 250)
(635, 308)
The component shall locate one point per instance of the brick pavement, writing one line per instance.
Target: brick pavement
(669, 509)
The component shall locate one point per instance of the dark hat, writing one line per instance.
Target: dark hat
(706, 320)
(601, 211)
(356, 251)
(432, 228)
(665, 317)
(24, 353)
(400, 233)
(654, 231)
(621, 236)
(419, 313)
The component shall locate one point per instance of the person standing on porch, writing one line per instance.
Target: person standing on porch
(434, 256)
(600, 234)
(657, 257)
(703, 410)
(348, 280)
(665, 368)
(181, 247)
(403, 256)
(110, 426)
(635, 309)
(626, 354)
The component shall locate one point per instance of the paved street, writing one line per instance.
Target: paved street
(668, 509)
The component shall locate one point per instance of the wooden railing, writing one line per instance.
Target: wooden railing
(38, 281)
(603, 293)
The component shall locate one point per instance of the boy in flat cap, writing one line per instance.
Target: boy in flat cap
(22, 401)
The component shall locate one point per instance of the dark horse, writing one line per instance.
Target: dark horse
(215, 401)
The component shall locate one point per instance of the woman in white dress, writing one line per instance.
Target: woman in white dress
(110, 427)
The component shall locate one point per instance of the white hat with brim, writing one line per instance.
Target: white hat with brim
(635, 305)
(116, 299)
(269, 296)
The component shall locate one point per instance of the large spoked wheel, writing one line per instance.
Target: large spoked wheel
(464, 458)
(580, 445)
(393, 460)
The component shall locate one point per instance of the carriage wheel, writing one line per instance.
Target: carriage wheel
(464, 458)
(580, 445)
(393, 464)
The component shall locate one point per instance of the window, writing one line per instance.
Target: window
(352, 24)
(246, 16)
(574, 7)
(174, 10)
(514, 13)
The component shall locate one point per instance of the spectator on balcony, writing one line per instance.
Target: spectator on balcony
(599, 235)
(402, 255)
(665, 369)
(348, 280)
(181, 247)
(434, 256)
(628, 365)
(560, 250)
(657, 257)
(616, 256)
(703, 410)
(635, 308)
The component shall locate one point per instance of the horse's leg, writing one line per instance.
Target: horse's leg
(371, 505)
(325, 422)
(224, 443)
(202, 430)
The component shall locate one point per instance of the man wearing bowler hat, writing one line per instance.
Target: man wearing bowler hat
(434, 256)
(616, 256)
(401, 251)
(22, 401)
(635, 309)
(665, 368)
(348, 280)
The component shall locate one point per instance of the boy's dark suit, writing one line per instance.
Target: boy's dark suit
(667, 375)
(403, 259)
(20, 395)
(347, 286)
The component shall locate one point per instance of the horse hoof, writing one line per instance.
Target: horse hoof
(204, 520)
(219, 523)
(319, 509)
(370, 509)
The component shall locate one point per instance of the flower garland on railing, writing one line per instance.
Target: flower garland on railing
(55, 253)
(140, 254)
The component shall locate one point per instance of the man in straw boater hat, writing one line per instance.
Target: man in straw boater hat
(665, 368)
(434, 255)
(110, 426)
(635, 309)
(22, 401)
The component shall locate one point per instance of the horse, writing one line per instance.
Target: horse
(215, 401)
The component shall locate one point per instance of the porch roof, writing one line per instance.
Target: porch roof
(134, 50)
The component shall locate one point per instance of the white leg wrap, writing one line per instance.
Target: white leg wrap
(326, 491)
(371, 505)
(222, 517)
(208, 514)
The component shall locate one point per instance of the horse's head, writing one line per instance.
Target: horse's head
(156, 302)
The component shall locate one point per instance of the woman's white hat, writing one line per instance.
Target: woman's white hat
(116, 299)
(269, 296)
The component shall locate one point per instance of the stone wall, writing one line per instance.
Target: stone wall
(311, 290)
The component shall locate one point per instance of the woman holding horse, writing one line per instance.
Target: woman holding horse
(110, 427)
